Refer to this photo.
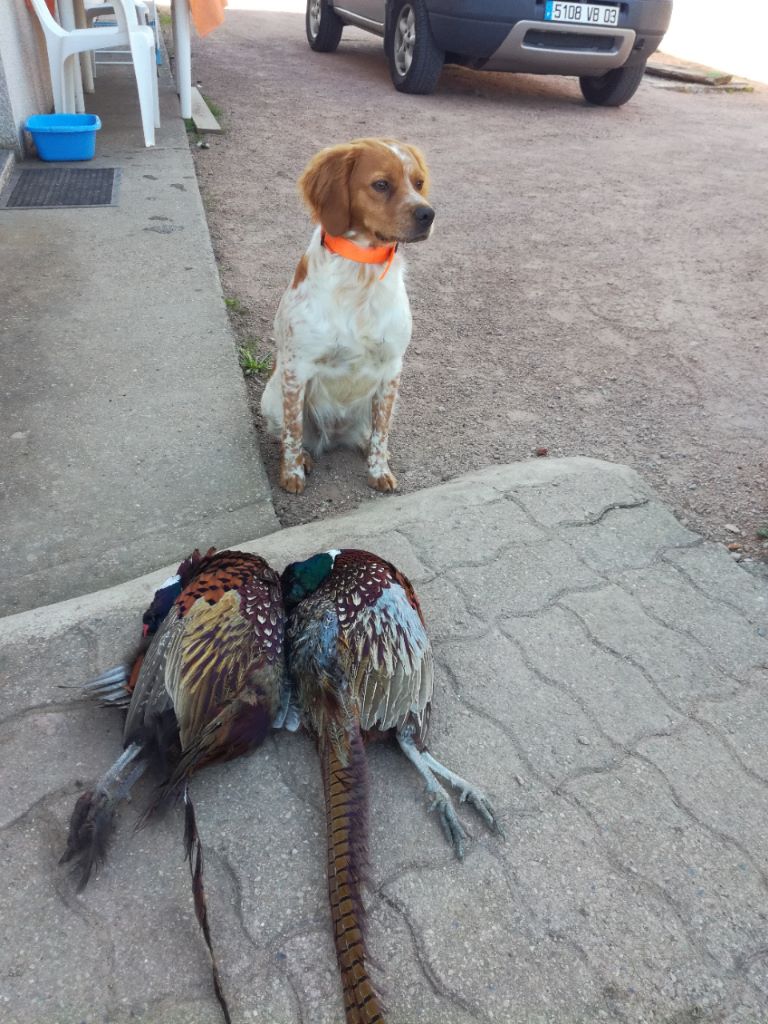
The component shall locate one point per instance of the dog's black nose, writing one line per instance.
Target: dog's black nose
(424, 215)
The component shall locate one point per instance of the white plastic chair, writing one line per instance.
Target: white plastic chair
(63, 45)
(147, 15)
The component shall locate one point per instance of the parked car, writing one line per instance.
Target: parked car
(606, 44)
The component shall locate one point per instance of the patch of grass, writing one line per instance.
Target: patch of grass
(214, 108)
(251, 364)
(165, 19)
(235, 306)
(762, 531)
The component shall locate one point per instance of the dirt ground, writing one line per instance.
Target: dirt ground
(596, 283)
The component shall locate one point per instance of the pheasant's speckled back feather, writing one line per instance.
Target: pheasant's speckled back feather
(219, 647)
(363, 626)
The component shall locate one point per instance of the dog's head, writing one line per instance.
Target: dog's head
(374, 190)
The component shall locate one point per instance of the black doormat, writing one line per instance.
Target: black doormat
(59, 187)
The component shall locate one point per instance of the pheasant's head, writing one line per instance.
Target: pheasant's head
(302, 578)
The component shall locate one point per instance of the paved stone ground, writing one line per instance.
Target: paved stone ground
(602, 673)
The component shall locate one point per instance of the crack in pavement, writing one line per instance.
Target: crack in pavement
(48, 708)
(717, 598)
(683, 631)
(435, 982)
(615, 506)
(712, 830)
(69, 789)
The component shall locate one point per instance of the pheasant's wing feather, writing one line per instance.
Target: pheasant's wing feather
(151, 700)
(209, 665)
(221, 643)
(389, 655)
(219, 660)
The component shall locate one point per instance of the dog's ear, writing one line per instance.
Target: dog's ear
(324, 184)
(421, 163)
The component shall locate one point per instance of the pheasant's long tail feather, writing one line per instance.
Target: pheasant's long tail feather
(91, 823)
(346, 801)
(194, 851)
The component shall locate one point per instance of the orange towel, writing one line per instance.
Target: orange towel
(51, 5)
(206, 14)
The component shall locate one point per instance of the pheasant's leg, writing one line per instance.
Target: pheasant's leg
(441, 801)
(116, 782)
(292, 464)
(289, 713)
(469, 793)
(380, 477)
(91, 822)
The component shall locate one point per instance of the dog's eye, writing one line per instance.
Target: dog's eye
(418, 185)
(380, 186)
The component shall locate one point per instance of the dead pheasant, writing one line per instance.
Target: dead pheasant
(362, 665)
(206, 685)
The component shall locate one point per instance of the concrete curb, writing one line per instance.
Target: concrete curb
(297, 542)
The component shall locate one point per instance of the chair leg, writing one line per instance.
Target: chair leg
(86, 57)
(70, 95)
(145, 70)
(58, 71)
(77, 83)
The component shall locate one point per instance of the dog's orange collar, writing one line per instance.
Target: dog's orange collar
(359, 253)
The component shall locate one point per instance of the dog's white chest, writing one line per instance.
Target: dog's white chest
(347, 327)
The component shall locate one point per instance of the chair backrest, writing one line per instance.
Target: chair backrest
(124, 10)
(126, 14)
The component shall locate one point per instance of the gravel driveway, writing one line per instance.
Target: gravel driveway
(596, 283)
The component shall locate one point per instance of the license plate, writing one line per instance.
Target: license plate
(581, 14)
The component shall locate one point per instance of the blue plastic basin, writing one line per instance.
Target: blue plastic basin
(64, 136)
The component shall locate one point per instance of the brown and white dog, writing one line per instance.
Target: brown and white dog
(344, 324)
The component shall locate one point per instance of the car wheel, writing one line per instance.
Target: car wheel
(613, 88)
(323, 25)
(415, 61)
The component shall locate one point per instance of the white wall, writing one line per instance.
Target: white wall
(730, 35)
(25, 67)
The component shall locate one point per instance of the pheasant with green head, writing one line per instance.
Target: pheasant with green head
(362, 665)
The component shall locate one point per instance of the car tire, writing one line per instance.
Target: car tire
(323, 26)
(415, 60)
(613, 88)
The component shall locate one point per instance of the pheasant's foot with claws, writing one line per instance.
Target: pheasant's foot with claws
(449, 819)
(428, 767)
(467, 792)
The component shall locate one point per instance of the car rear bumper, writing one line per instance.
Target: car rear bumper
(567, 49)
(511, 35)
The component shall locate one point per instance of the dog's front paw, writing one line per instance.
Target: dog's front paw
(382, 480)
(292, 479)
